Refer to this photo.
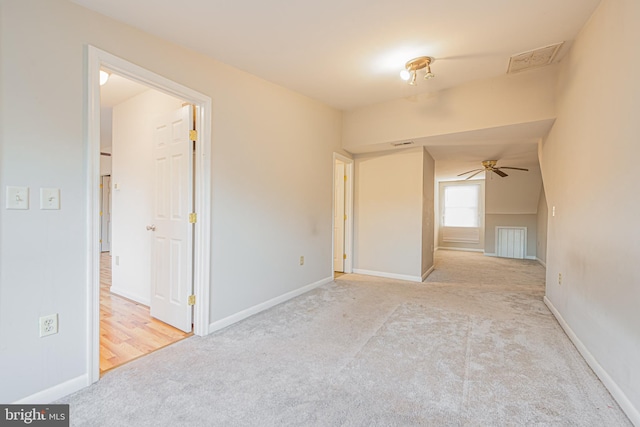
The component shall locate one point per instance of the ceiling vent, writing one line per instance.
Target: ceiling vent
(402, 144)
(533, 59)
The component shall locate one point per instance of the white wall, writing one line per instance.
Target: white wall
(132, 200)
(428, 212)
(543, 218)
(590, 165)
(271, 184)
(506, 100)
(388, 217)
(512, 201)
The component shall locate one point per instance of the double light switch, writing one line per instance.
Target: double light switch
(18, 198)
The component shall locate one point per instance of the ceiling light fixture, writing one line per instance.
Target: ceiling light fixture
(411, 69)
(104, 76)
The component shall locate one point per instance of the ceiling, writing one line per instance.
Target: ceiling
(348, 54)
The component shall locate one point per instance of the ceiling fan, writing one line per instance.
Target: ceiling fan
(490, 166)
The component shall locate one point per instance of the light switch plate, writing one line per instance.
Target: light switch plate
(17, 197)
(49, 198)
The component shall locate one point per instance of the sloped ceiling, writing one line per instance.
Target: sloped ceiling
(348, 54)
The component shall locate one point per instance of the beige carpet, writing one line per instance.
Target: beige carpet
(472, 346)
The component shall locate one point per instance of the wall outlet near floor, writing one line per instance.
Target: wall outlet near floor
(559, 278)
(301, 260)
(48, 325)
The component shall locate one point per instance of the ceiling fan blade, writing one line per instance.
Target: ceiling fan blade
(499, 172)
(464, 173)
(509, 167)
(471, 176)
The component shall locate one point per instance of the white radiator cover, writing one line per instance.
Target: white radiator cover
(511, 242)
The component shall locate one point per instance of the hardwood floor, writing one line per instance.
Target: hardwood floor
(127, 330)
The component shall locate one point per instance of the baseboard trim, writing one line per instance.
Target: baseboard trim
(525, 257)
(388, 275)
(445, 248)
(241, 315)
(544, 264)
(427, 273)
(130, 296)
(622, 399)
(56, 392)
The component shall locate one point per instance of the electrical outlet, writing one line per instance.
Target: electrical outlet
(559, 278)
(48, 325)
(302, 260)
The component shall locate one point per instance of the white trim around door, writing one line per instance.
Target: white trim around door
(348, 207)
(97, 59)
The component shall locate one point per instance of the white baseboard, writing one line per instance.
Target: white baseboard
(388, 275)
(241, 315)
(544, 264)
(446, 248)
(427, 273)
(632, 412)
(525, 257)
(132, 297)
(56, 392)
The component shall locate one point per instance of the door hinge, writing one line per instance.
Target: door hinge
(100, 185)
(345, 177)
(193, 135)
(345, 217)
(100, 213)
(192, 300)
(344, 256)
(193, 218)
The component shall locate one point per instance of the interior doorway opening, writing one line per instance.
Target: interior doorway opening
(200, 242)
(342, 215)
(140, 180)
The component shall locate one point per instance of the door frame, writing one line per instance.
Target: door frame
(97, 59)
(348, 208)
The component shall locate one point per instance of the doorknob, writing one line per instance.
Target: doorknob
(151, 227)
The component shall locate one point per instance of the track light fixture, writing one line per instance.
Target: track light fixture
(411, 68)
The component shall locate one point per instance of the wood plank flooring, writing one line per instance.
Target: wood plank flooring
(127, 330)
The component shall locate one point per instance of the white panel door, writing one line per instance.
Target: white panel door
(171, 252)
(338, 218)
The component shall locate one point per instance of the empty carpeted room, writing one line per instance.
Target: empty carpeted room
(360, 213)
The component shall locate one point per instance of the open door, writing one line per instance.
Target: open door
(172, 248)
(338, 216)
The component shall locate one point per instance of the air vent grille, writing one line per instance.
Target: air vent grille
(402, 144)
(533, 58)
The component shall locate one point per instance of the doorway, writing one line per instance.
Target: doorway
(342, 215)
(199, 244)
(150, 158)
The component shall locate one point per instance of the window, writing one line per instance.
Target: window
(461, 204)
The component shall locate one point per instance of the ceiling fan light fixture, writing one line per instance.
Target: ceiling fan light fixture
(413, 66)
